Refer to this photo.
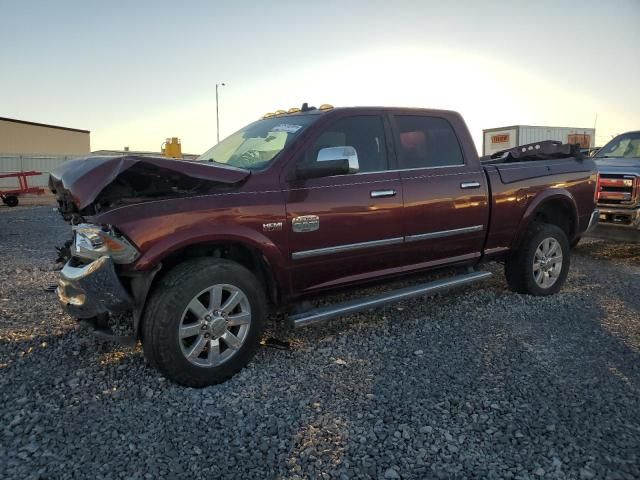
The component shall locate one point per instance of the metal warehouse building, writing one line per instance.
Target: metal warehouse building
(502, 138)
(30, 138)
(28, 146)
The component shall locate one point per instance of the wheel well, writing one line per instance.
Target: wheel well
(250, 258)
(557, 212)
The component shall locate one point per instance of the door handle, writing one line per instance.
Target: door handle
(465, 185)
(383, 193)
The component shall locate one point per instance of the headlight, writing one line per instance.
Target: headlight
(93, 242)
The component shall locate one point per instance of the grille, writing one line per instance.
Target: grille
(618, 189)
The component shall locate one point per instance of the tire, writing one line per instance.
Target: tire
(11, 201)
(184, 303)
(522, 275)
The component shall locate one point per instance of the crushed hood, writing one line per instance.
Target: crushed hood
(105, 181)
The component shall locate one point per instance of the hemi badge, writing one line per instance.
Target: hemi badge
(272, 226)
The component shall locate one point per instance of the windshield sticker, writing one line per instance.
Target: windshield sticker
(286, 127)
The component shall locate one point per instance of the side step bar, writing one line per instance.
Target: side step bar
(322, 314)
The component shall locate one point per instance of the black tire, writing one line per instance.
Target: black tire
(11, 201)
(519, 268)
(164, 311)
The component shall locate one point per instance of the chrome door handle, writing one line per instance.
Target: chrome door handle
(383, 193)
(470, 185)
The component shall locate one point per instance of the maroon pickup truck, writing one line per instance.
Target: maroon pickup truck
(193, 255)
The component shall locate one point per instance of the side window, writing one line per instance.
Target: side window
(364, 133)
(426, 142)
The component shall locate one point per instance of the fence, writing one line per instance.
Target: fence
(23, 163)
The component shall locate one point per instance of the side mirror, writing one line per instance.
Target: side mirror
(340, 153)
(330, 161)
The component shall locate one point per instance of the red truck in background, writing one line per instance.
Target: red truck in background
(299, 204)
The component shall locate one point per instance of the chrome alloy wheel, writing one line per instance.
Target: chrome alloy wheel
(214, 325)
(547, 262)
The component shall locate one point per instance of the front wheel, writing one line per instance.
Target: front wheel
(541, 265)
(203, 322)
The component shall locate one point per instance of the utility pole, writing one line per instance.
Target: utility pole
(218, 112)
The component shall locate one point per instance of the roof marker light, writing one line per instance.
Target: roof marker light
(325, 106)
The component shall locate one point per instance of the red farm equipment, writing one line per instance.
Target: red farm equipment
(10, 197)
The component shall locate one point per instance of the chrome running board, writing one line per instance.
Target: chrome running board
(322, 314)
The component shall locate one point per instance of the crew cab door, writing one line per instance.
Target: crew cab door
(446, 198)
(344, 228)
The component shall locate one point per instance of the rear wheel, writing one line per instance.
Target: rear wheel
(541, 265)
(203, 322)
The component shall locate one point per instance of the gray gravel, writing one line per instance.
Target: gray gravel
(479, 383)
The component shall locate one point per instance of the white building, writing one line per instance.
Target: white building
(502, 138)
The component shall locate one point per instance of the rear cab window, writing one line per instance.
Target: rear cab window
(426, 142)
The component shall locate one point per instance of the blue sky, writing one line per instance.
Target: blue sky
(137, 72)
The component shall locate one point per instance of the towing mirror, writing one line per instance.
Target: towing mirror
(330, 161)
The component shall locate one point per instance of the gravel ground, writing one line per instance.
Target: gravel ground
(478, 383)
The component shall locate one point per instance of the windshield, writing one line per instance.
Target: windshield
(257, 144)
(626, 145)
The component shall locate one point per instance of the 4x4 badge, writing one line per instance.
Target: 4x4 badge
(306, 223)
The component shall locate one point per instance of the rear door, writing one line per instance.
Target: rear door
(345, 228)
(445, 198)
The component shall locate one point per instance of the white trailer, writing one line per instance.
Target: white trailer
(502, 138)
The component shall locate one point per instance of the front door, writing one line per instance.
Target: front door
(345, 228)
(446, 211)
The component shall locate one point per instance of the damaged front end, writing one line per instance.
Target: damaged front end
(89, 285)
(97, 284)
(91, 289)
(90, 186)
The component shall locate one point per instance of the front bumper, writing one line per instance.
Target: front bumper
(621, 224)
(86, 291)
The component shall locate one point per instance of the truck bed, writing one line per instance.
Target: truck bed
(518, 181)
(547, 150)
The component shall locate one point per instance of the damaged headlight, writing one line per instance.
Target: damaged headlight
(93, 241)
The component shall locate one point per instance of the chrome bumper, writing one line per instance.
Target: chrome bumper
(620, 224)
(89, 290)
(620, 217)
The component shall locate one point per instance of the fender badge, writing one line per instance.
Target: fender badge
(305, 223)
(272, 226)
